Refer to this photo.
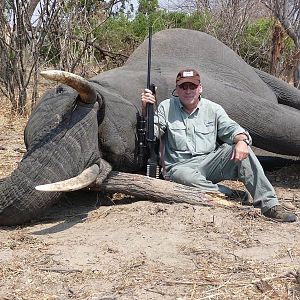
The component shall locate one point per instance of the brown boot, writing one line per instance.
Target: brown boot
(280, 214)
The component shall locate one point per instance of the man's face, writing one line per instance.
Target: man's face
(189, 94)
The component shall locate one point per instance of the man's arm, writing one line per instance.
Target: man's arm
(240, 150)
(147, 97)
(242, 137)
(159, 117)
(232, 133)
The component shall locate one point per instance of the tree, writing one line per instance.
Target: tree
(36, 33)
(227, 20)
(20, 41)
(288, 14)
(147, 6)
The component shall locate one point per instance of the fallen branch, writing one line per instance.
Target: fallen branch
(157, 190)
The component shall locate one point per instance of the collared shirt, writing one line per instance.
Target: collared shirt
(187, 135)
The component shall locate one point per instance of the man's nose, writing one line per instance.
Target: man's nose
(188, 89)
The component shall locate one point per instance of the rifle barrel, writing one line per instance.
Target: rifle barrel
(149, 58)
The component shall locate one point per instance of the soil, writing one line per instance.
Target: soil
(90, 246)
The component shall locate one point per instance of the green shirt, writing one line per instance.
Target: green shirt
(187, 135)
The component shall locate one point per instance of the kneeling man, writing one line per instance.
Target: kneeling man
(192, 129)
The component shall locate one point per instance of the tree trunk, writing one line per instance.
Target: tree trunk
(297, 76)
(277, 48)
(153, 189)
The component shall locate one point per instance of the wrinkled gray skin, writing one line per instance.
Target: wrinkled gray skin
(61, 135)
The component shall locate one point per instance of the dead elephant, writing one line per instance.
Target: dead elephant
(89, 127)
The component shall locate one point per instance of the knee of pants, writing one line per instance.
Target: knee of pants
(228, 169)
(226, 151)
(251, 166)
(186, 176)
(191, 177)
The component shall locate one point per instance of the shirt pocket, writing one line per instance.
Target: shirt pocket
(177, 136)
(205, 137)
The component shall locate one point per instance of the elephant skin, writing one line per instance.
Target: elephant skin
(64, 136)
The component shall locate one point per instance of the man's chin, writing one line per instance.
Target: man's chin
(189, 101)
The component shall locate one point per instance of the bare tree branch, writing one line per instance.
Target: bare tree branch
(105, 52)
(287, 12)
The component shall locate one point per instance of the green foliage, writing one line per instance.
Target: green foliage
(120, 33)
(199, 21)
(117, 34)
(6, 8)
(147, 6)
(257, 43)
(256, 46)
(289, 44)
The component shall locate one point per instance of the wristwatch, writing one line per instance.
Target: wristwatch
(246, 141)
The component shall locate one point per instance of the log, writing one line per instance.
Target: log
(147, 188)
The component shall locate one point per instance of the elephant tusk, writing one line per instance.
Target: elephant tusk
(85, 90)
(81, 181)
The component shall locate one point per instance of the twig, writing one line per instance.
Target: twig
(244, 284)
(209, 296)
(222, 285)
(105, 52)
(271, 278)
(63, 271)
(290, 254)
(156, 291)
(191, 283)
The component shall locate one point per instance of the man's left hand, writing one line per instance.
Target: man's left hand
(240, 151)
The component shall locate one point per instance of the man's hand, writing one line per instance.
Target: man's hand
(147, 97)
(240, 151)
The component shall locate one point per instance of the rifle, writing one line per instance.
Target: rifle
(145, 127)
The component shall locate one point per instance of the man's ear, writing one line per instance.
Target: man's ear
(200, 88)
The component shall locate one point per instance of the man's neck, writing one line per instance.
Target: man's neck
(191, 108)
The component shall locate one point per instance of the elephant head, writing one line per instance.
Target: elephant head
(69, 136)
(62, 142)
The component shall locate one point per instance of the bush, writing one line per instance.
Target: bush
(257, 44)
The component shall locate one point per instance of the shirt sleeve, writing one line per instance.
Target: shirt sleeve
(160, 122)
(227, 128)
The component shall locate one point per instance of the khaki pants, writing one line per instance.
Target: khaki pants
(206, 171)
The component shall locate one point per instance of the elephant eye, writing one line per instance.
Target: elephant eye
(59, 89)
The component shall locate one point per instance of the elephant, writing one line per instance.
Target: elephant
(83, 129)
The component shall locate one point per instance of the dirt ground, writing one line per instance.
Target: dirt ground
(88, 247)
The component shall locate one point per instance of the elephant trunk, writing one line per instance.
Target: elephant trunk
(19, 201)
(61, 153)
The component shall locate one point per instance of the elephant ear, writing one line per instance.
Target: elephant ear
(286, 93)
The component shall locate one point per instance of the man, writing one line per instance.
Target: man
(193, 128)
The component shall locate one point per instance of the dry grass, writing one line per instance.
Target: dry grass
(11, 139)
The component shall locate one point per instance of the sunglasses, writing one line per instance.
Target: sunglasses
(186, 86)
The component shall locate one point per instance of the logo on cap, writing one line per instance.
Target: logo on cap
(188, 75)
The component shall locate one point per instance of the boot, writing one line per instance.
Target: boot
(280, 214)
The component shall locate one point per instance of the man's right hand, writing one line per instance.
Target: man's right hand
(147, 97)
